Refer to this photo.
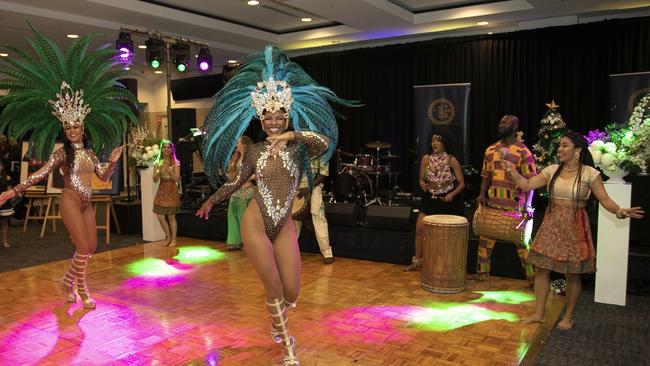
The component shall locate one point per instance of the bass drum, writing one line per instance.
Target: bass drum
(353, 188)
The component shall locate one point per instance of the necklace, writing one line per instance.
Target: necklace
(570, 170)
(77, 145)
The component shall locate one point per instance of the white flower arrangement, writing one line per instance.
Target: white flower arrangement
(149, 155)
(624, 147)
(606, 156)
(142, 148)
(636, 139)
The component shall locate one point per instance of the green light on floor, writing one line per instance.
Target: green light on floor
(445, 316)
(504, 297)
(198, 254)
(152, 267)
(523, 346)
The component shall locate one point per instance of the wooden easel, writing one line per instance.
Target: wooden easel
(31, 197)
(52, 212)
(110, 211)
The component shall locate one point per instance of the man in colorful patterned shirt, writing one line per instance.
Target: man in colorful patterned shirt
(498, 190)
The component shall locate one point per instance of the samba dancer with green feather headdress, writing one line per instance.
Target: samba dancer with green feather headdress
(278, 92)
(72, 93)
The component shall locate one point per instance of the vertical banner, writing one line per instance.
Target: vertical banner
(443, 106)
(625, 91)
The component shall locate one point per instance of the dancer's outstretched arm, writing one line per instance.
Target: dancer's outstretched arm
(247, 170)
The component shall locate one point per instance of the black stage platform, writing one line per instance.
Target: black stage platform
(359, 241)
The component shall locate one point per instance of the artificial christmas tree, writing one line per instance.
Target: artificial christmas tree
(551, 128)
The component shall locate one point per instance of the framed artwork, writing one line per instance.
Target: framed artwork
(111, 186)
(29, 166)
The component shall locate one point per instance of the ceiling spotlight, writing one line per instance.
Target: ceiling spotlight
(142, 46)
(204, 59)
(306, 20)
(253, 2)
(127, 68)
(232, 61)
(72, 36)
(124, 45)
(158, 72)
(4, 54)
(181, 56)
(490, 32)
(155, 52)
(482, 23)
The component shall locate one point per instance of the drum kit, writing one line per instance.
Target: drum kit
(354, 183)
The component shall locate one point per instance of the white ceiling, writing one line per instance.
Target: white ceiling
(233, 29)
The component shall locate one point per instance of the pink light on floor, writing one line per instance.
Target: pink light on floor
(68, 334)
(369, 324)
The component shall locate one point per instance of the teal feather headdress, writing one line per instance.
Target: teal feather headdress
(271, 79)
(89, 78)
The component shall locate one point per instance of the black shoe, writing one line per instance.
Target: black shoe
(327, 260)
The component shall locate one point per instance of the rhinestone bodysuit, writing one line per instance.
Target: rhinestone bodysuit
(78, 178)
(278, 176)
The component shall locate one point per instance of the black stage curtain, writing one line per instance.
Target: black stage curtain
(514, 72)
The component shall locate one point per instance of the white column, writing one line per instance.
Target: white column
(151, 230)
(613, 247)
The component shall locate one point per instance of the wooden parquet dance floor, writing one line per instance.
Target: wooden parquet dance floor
(201, 305)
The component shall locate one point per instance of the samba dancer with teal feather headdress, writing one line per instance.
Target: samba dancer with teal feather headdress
(236, 105)
(73, 93)
(278, 92)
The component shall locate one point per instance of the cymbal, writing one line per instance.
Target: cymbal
(343, 153)
(389, 156)
(377, 145)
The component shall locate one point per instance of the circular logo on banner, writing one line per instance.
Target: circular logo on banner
(635, 98)
(441, 111)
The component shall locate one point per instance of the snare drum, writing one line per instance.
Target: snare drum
(444, 253)
(364, 162)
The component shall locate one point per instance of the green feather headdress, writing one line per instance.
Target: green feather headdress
(270, 79)
(35, 80)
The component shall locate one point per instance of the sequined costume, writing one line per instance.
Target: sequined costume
(78, 178)
(268, 85)
(278, 176)
(91, 100)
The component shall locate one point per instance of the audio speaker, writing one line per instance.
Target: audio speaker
(342, 214)
(389, 217)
